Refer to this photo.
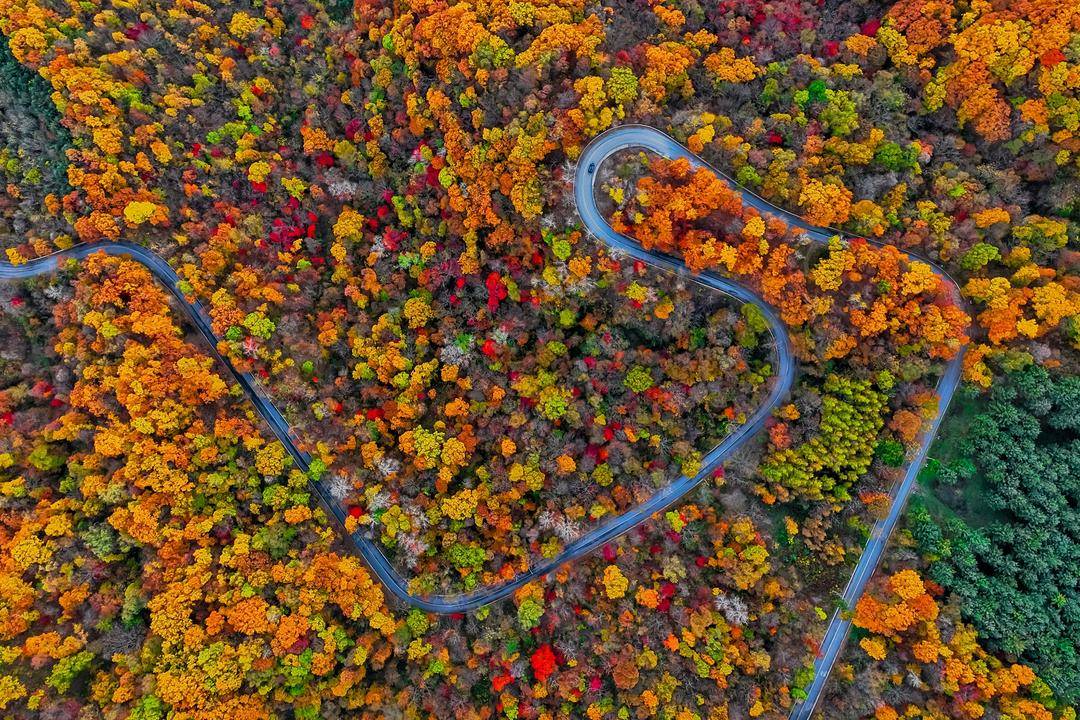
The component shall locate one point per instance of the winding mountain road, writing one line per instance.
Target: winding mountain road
(368, 548)
(649, 138)
(601, 148)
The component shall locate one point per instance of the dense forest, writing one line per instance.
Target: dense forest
(1003, 538)
(374, 202)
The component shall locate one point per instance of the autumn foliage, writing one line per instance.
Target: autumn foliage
(372, 201)
(902, 617)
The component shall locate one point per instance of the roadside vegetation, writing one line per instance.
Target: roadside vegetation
(373, 201)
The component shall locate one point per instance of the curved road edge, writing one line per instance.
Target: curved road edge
(368, 548)
(602, 147)
(649, 138)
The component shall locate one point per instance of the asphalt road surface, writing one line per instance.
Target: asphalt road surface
(601, 148)
(649, 138)
(598, 536)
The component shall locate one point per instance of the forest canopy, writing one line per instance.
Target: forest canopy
(374, 203)
(1004, 538)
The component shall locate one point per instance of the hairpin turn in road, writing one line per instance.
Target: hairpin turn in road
(600, 149)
